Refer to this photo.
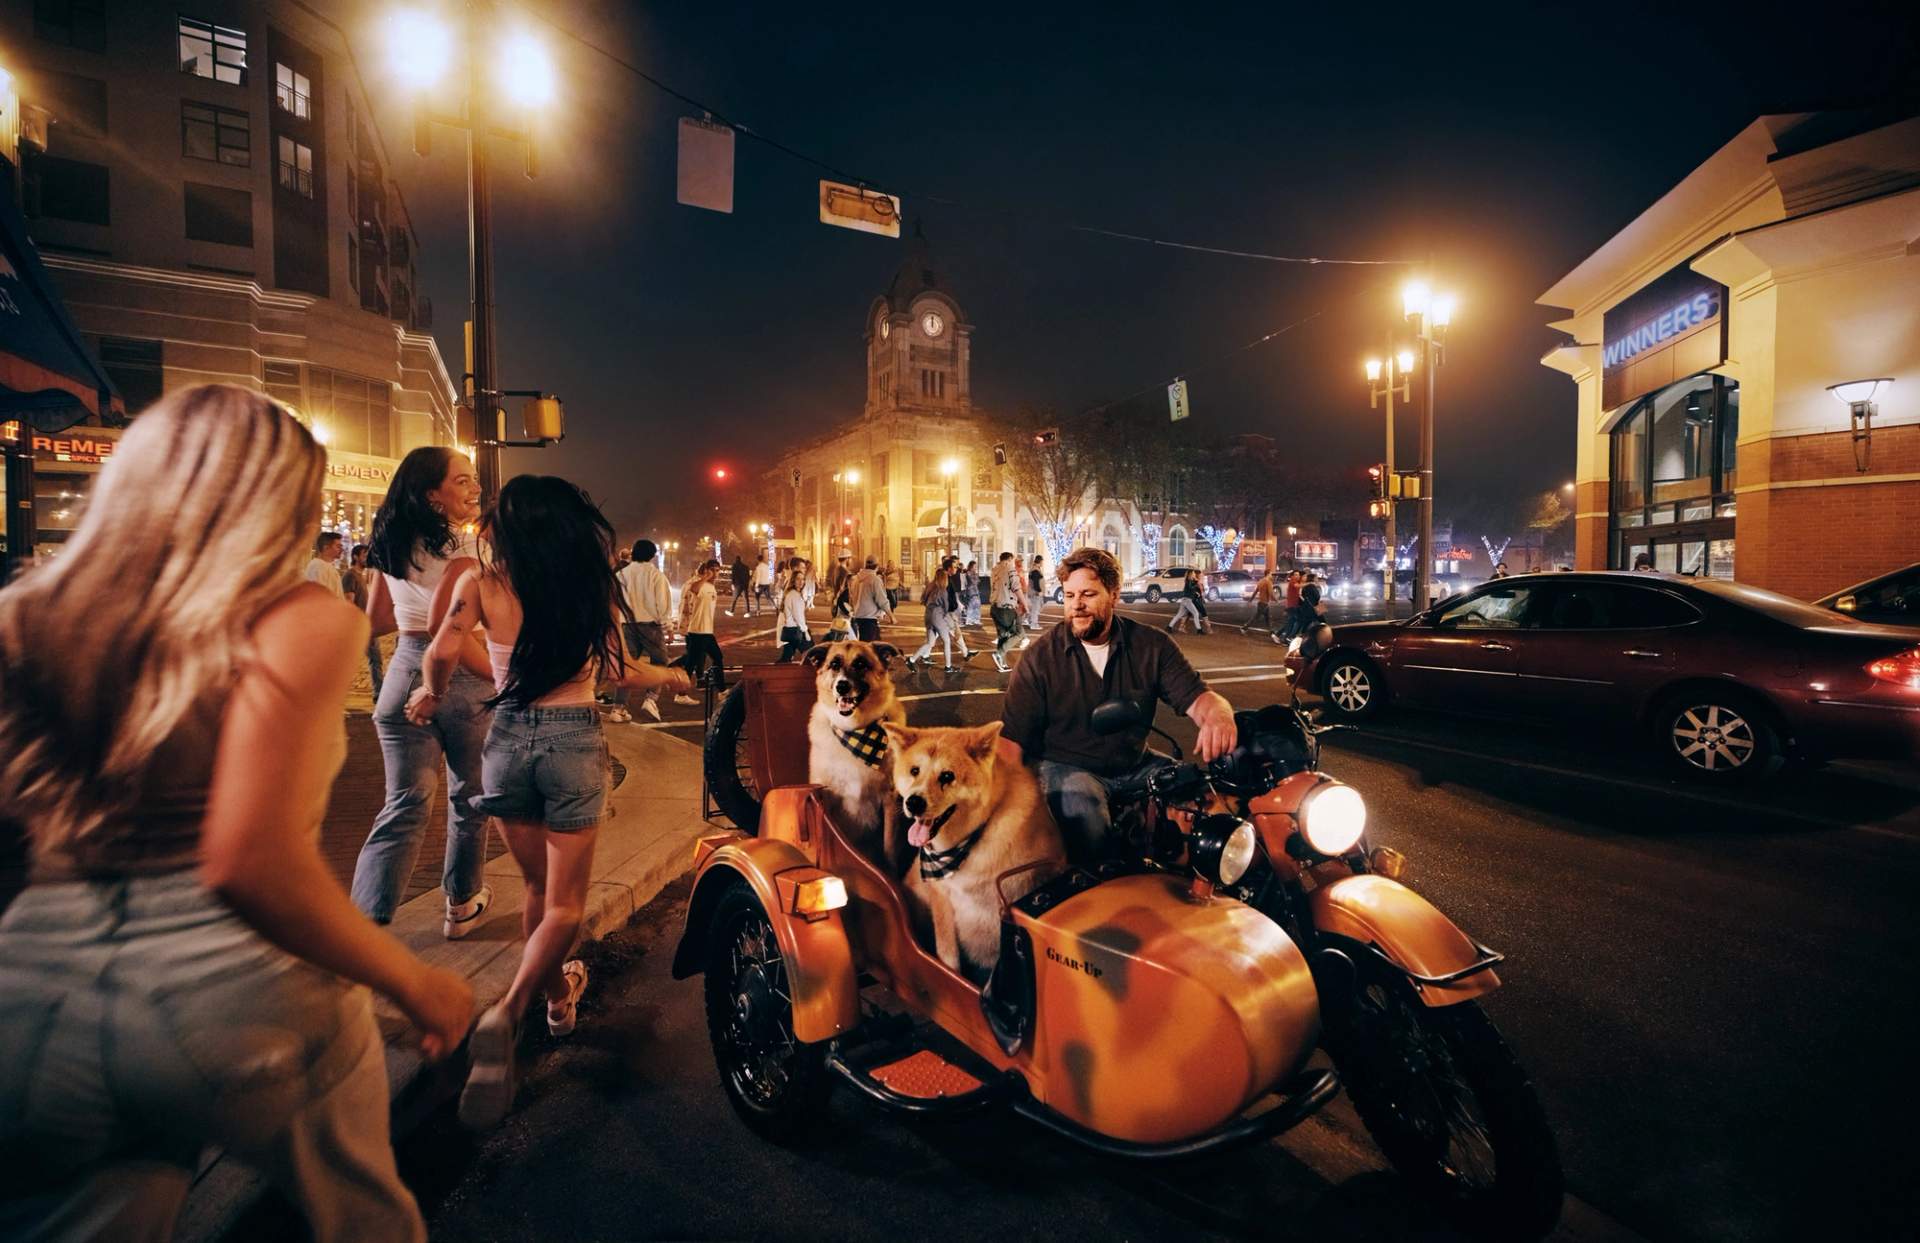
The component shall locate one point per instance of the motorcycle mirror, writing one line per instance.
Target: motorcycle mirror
(1115, 716)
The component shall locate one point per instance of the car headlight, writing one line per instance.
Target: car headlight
(1333, 818)
(1222, 848)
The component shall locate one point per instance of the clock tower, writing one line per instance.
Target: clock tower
(918, 343)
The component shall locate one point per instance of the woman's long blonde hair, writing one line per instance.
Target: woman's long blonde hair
(203, 516)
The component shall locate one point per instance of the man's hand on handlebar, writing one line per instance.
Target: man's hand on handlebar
(1218, 733)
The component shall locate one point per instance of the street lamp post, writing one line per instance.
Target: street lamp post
(1395, 371)
(948, 469)
(1431, 313)
(422, 48)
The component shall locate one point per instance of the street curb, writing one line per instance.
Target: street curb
(223, 1191)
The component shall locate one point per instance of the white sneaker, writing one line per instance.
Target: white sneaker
(689, 700)
(464, 917)
(651, 706)
(620, 716)
(491, 1070)
(999, 663)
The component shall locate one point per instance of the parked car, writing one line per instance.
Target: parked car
(1890, 600)
(1726, 679)
(1231, 585)
(1168, 580)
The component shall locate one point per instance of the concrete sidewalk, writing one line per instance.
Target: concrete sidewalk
(645, 843)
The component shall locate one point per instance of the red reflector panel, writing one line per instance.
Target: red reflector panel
(1901, 670)
(926, 1075)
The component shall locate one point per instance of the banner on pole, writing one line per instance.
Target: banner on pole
(706, 165)
(1177, 407)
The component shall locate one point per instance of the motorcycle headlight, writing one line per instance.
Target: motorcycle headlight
(1222, 848)
(1333, 818)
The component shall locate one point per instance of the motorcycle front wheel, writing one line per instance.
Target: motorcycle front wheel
(1453, 1110)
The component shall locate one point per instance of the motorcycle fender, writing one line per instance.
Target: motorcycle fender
(819, 958)
(1408, 929)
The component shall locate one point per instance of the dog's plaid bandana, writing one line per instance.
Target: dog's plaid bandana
(937, 864)
(868, 745)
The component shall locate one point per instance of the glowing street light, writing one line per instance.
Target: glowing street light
(419, 46)
(526, 71)
(949, 467)
(1387, 381)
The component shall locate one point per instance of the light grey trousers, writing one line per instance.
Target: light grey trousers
(141, 1021)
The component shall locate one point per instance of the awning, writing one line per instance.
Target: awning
(48, 375)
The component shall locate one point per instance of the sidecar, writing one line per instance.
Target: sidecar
(1130, 1010)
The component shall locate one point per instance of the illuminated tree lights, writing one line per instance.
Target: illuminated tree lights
(1225, 544)
(1148, 533)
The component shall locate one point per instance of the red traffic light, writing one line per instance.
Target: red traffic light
(720, 472)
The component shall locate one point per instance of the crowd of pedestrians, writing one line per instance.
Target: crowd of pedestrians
(183, 968)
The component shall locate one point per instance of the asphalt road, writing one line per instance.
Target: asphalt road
(1712, 991)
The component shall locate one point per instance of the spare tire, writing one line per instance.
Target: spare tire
(729, 774)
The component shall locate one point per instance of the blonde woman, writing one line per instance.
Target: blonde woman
(182, 969)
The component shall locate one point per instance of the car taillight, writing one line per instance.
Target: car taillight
(1901, 670)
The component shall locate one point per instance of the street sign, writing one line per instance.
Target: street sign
(706, 165)
(1177, 408)
(852, 207)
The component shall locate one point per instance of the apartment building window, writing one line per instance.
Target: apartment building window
(217, 214)
(294, 166)
(134, 365)
(222, 135)
(72, 23)
(71, 189)
(80, 103)
(292, 91)
(210, 51)
(357, 412)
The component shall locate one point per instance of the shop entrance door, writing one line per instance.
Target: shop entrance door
(1703, 552)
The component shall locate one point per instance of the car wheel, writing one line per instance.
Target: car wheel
(1059, 596)
(1714, 735)
(776, 1084)
(1213, 593)
(1352, 688)
(1153, 594)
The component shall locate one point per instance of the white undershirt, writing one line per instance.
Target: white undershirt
(1098, 653)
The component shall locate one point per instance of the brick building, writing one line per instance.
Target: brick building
(1707, 341)
(206, 184)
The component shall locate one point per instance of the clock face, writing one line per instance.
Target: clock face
(886, 329)
(932, 323)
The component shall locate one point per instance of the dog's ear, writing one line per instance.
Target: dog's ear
(886, 652)
(980, 740)
(899, 737)
(816, 655)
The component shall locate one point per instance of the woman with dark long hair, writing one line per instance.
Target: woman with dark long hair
(421, 544)
(551, 605)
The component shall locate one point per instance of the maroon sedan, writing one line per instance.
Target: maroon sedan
(1727, 679)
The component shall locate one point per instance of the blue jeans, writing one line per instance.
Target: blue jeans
(1079, 802)
(142, 1020)
(413, 756)
(546, 765)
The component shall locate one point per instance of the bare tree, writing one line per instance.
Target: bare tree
(1053, 480)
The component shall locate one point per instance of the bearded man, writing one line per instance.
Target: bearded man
(1089, 658)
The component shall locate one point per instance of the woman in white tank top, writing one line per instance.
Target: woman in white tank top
(421, 544)
(550, 604)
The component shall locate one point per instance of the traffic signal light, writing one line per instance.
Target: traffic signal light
(1376, 509)
(1377, 474)
(1046, 437)
(720, 474)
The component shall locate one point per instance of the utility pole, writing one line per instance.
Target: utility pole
(1392, 498)
(1431, 314)
(486, 424)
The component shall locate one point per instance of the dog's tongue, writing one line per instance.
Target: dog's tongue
(919, 833)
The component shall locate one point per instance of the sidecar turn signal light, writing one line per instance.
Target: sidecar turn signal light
(1386, 861)
(813, 894)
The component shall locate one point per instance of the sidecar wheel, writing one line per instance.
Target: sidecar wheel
(1453, 1110)
(729, 773)
(777, 1084)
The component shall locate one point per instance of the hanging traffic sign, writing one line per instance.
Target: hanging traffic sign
(854, 207)
(706, 165)
(1177, 408)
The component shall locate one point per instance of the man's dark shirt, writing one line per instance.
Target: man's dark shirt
(1054, 690)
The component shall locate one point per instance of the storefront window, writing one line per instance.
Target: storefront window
(1672, 458)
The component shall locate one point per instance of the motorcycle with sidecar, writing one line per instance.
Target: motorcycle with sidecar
(1165, 1001)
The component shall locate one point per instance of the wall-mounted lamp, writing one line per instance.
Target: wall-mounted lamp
(1857, 396)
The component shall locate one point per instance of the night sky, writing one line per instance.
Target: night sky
(1507, 142)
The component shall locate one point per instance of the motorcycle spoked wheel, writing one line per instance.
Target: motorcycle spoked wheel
(1444, 1097)
(776, 1083)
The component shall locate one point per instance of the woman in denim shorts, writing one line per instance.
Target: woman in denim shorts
(183, 974)
(551, 607)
